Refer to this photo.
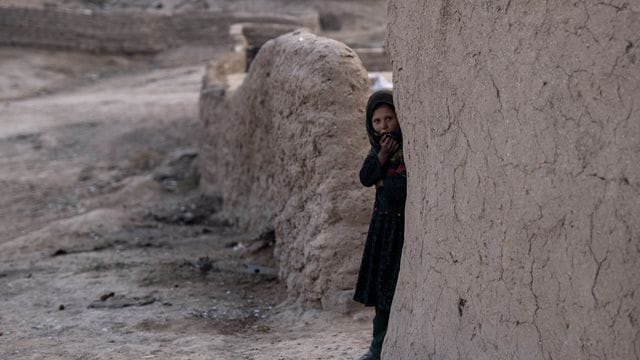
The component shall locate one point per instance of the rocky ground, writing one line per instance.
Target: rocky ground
(107, 248)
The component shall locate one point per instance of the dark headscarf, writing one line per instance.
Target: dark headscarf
(376, 99)
(395, 165)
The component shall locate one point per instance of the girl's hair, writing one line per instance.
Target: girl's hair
(381, 104)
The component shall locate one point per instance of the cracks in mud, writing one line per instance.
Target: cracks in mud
(462, 163)
(495, 87)
(534, 320)
(593, 254)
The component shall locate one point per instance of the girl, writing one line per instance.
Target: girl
(384, 167)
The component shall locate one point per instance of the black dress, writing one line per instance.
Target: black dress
(381, 258)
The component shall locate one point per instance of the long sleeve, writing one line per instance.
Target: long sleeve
(371, 171)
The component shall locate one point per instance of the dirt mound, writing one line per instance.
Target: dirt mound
(283, 151)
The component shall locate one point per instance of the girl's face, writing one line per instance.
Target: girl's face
(384, 120)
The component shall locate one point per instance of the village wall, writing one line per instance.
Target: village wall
(283, 150)
(128, 31)
(522, 130)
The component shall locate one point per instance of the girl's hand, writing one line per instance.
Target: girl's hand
(379, 184)
(388, 146)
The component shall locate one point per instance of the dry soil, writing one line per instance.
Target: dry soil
(107, 248)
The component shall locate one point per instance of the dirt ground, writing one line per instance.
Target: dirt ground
(107, 248)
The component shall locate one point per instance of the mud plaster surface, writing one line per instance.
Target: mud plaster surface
(522, 125)
(283, 150)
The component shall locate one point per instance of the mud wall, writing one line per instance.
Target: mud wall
(283, 150)
(374, 59)
(522, 124)
(254, 35)
(128, 31)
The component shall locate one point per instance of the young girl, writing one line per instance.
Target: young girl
(384, 167)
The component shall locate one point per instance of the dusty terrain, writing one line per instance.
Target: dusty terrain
(107, 248)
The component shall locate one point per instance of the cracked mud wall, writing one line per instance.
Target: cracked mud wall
(522, 126)
(283, 150)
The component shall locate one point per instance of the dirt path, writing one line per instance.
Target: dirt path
(107, 248)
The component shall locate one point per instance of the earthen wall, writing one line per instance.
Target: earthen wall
(522, 128)
(284, 149)
(127, 31)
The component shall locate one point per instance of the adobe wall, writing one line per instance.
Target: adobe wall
(254, 35)
(283, 150)
(522, 127)
(374, 59)
(128, 31)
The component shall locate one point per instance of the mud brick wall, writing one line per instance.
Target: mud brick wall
(522, 127)
(256, 34)
(284, 149)
(374, 59)
(127, 31)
